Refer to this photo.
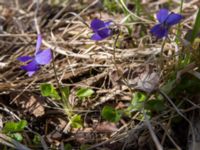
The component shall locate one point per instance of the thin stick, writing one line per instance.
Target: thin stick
(162, 54)
(152, 133)
(180, 113)
(114, 55)
(130, 12)
(120, 74)
(170, 138)
(179, 25)
(66, 105)
(35, 17)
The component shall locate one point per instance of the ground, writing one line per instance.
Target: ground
(130, 90)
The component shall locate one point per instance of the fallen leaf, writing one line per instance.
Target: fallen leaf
(30, 103)
(148, 82)
(120, 105)
(85, 136)
(106, 127)
(143, 78)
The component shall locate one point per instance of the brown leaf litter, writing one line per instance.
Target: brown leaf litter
(29, 103)
(79, 62)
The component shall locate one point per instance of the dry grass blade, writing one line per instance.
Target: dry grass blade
(12, 143)
(182, 115)
(114, 69)
(153, 135)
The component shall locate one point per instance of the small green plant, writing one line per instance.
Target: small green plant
(76, 121)
(196, 28)
(83, 93)
(137, 102)
(13, 129)
(155, 105)
(140, 102)
(110, 114)
(48, 90)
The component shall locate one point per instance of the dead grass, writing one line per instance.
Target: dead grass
(80, 62)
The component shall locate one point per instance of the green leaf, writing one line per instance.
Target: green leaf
(138, 7)
(36, 139)
(65, 92)
(137, 103)
(48, 90)
(84, 147)
(184, 60)
(168, 87)
(68, 146)
(11, 127)
(112, 6)
(141, 116)
(76, 121)
(137, 100)
(196, 28)
(189, 84)
(110, 114)
(155, 105)
(84, 92)
(17, 136)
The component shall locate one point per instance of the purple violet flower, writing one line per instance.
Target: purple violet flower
(101, 29)
(166, 20)
(41, 57)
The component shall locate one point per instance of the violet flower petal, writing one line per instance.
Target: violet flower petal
(166, 20)
(43, 57)
(162, 15)
(101, 29)
(159, 31)
(30, 73)
(97, 24)
(38, 43)
(173, 19)
(96, 37)
(24, 58)
(109, 23)
(104, 33)
(32, 66)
